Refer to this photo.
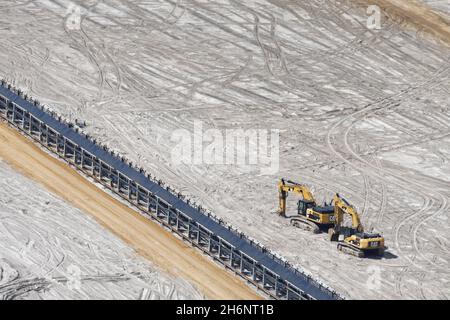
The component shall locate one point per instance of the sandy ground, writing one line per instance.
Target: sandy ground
(361, 112)
(431, 17)
(51, 250)
(147, 238)
(440, 6)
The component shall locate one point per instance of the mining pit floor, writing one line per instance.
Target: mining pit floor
(361, 112)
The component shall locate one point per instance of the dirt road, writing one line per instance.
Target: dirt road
(149, 239)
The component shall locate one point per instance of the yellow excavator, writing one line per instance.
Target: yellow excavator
(353, 240)
(311, 217)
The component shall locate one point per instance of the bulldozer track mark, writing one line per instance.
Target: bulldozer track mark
(371, 108)
(173, 17)
(442, 209)
(354, 44)
(383, 197)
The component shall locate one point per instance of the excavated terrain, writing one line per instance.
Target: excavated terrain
(363, 112)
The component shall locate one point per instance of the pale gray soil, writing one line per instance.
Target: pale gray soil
(363, 113)
(442, 6)
(51, 250)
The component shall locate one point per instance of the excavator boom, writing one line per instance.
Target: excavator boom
(342, 206)
(284, 187)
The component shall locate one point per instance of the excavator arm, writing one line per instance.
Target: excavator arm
(284, 187)
(343, 207)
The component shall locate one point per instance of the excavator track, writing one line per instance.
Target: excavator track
(349, 249)
(302, 223)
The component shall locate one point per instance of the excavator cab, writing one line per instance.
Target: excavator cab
(304, 205)
(319, 214)
(362, 244)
